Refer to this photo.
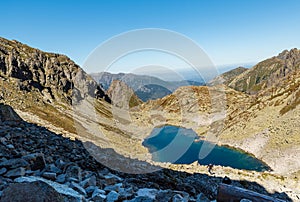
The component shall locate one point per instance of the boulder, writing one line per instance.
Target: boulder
(31, 191)
(8, 114)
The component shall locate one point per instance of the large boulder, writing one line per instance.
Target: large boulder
(8, 114)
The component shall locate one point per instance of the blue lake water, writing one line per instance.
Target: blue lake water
(177, 145)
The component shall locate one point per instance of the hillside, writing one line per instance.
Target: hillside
(267, 73)
(228, 77)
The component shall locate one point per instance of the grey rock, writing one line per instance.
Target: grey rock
(36, 160)
(202, 198)
(3, 140)
(115, 187)
(50, 176)
(140, 199)
(245, 200)
(60, 164)
(126, 193)
(78, 188)
(71, 194)
(112, 179)
(2, 171)
(90, 189)
(164, 195)
(91, 181)
(112, 196)
(72, 179)
(10, 146)
(73, 171)
(53, 168)
(98, 191)
(61, 178)
(178, 198)
(31, 191)
(14, 163)
(99, 198)
(8, 114)
(17, 172)
(150, 193)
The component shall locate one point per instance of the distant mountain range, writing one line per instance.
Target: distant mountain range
(145, 87)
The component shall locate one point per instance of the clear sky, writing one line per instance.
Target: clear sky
(229, 31)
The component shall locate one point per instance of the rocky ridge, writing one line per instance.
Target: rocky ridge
(227, 77)
(267, 73)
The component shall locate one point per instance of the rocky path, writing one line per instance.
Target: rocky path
(39, 165)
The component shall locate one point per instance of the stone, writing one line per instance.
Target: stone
(8, 114)
(73, 171)
(10, 146)
(112, 196)
(126, 193)
(115, 187)
(31, 191)
(150, 193)
(112, 179)
(60, 164)
(78, 188)
(14, 163)
(17, 172)
(140, 199)
(164, 195)
(36, 161)
(3, 171)
(178, 198)
(99, 198)
(90, 189)
(245, 200)
(70, 193)
(61, 178)
(50, 176)
(90, 181)
(202, 198)
(53, 168)
(98, 191)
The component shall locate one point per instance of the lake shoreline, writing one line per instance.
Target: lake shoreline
(238, 152)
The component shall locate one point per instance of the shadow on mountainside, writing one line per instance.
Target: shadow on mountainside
(20, 138)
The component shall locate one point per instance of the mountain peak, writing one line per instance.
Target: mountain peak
(287, 54)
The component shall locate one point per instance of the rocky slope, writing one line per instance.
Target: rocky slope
(267, 72)
(39, 165)
(228, 77)
(44, 84)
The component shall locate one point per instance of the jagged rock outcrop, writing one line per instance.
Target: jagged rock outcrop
(268, 72)
(8, 114)
(122, 95)
(54, 76)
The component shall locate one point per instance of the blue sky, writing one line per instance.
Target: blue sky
(229, 31)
